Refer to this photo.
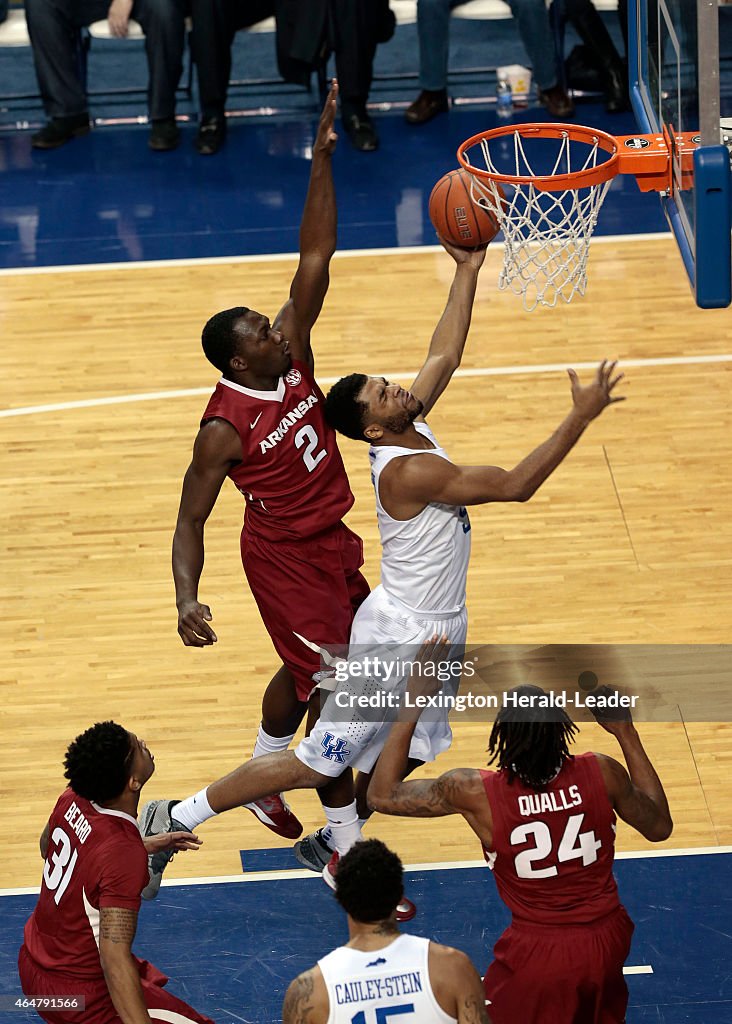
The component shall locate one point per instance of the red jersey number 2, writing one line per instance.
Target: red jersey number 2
(573, 845)
(307, 436)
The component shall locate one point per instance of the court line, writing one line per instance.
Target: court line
(212, 261)
(645, 969)
(275, 876)
(485, 371)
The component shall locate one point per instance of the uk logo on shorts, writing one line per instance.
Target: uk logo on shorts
(293, 378)
(334, 749)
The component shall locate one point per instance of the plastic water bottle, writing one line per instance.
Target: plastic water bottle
(504, 99)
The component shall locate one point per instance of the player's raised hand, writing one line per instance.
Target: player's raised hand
(327, 138)
(474, 257)
(193, 624)
(590, 400)
(615, 720)
(171, 841)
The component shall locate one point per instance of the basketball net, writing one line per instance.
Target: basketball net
(547, 233)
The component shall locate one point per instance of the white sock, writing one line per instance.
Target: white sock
(193, 811)
(267, 744)
(327, 834)
(344, 826)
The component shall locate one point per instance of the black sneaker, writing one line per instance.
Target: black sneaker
(61, 130)
(211, 135)
(360, 130)
(313, 851)
(164, 135)
(156, 817)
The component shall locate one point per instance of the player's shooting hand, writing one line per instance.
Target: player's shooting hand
(193, 624)
(424, 681)
(589, 401)
(473, 257)
(118, 16)
(171, 841)
(326, 139)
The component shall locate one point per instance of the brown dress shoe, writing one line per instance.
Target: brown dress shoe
(557, 102)
(427, 105)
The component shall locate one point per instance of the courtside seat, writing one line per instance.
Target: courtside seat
(101, 30)
(14, 31)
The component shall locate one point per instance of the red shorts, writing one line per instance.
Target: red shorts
(99, 1008)
(567, 975)
(308, 587)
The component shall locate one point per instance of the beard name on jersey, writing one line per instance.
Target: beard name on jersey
(288, 421)
(537, 803)
(78, 823)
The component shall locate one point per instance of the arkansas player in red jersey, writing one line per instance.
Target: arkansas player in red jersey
(546, 821)
(77, 941)
(264, 428)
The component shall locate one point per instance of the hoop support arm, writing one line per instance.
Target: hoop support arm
(650, 159)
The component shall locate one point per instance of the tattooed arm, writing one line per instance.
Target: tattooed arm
(117, 927)
(456, 985)
(459, 791)
(306, 1000)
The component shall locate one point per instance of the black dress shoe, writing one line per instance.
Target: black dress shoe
(427, 105)
(360, 130)
(556, 101)
(211, 135)
(61, 130)
(164, 135)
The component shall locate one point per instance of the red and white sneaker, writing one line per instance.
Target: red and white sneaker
(405, 911)
(273, 812)
(331, 870)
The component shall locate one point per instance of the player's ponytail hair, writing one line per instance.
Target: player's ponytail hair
(98, 763)
(343, 411)
(531, 743)
(219, 336)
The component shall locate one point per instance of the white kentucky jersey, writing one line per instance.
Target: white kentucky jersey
(424, 560)
(382, 984)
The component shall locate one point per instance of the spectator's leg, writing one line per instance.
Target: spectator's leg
(532, 21)
(433, 31)
(591, 30)
(214, 25)
(355, 29)
(53, 26)
(163, 22)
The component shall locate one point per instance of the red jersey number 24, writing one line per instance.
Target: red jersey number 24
(572, 846)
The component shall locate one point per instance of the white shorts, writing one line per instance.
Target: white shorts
(350, 738)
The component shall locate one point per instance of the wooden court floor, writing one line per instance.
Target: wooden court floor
(629, 542)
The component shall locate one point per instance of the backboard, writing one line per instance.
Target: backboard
(675, 87)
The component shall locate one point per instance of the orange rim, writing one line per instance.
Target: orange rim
(549, 182)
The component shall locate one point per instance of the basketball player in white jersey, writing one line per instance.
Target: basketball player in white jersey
(380, 973)
(421, 499)
(425, 532)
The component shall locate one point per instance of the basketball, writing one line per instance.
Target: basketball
(456, 217)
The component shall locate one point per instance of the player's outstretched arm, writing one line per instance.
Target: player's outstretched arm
(318, 238)
(448, 340)
(306, 999)
(117, 927)
(216, 449)
(456, 985)
(636, 794)
(420, 482)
